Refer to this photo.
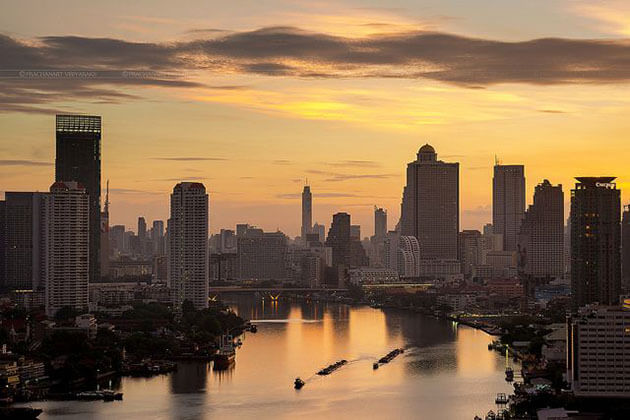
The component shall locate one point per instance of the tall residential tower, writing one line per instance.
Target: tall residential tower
(188, 244)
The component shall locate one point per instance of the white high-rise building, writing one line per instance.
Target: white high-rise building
(188, 244)
(65, 244)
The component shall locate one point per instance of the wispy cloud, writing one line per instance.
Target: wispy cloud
(356, 163)
(338, 177)
(17, 162)
(319, 195)
(182, 179)
(189, 158)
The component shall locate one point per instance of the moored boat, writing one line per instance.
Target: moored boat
(298, 384)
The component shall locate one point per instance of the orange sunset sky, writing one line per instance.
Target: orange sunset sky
(251, 98)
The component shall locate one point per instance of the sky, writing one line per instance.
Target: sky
(255, 98)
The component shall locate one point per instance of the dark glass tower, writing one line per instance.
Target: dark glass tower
(79, 159)
(625, 249)
(595, 241)
(339, 239)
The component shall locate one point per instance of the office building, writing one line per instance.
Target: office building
(471, 251)
(157, 237)
(188, 244)
(595, 241)
(307, 212)
(508, 203)
(78, 158)
(430, 205)
(380, 223)
(598, 351)
(541, 235)
(24, 259)
(320, 230)
(262, 255)
(339, 239)
(625, 249)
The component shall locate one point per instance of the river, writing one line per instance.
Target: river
(446, 372)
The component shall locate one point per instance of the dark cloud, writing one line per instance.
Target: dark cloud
(9, 162)
(115, 64)
(189, 158)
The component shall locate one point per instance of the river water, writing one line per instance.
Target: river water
(446, 372)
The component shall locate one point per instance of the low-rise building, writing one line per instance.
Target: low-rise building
(366, 275)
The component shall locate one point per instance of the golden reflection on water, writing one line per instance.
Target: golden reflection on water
(446, 371)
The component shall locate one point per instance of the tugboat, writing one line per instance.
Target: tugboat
(226, 355)
(298, 384)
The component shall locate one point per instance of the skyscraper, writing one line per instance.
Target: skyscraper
(157, 237)
(3, 243)
(307, 212)
(339, 239)
(430, 205)
(508, 202)
(188, 244)
(595, 241)
(380, 223)
(78, 158)
(471, 251)
(143, 245)
(66, 246)
(625, 249)
(320, 230)
(23, 240)
(541, 235)
(105, 236)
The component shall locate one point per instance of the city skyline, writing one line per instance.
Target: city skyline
(243, 118)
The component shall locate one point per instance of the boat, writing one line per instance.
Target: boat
(491, 415)
(509, 374)
(298, 384)
(239, 342)
(226, 355)
(390, 356)
(501, 398)
(375, 365)
(331, 368)
(105, 395)
(253, 329)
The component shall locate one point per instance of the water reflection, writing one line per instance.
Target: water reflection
(446, 371)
